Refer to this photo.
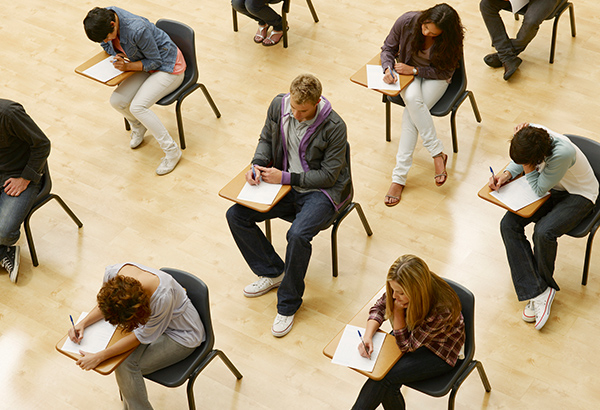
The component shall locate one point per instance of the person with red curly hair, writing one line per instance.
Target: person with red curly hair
(165, 327)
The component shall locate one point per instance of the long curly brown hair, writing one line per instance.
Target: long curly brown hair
(448, 48)
(123, 302)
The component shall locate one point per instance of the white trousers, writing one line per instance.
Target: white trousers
(420, 95)
(134, 97)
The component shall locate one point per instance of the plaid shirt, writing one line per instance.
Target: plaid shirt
(430, 333)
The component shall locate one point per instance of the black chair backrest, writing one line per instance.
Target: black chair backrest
(46, 185)
(453, 93)
(183, 36)
(591, 149)
(197, 291)
(467, 300)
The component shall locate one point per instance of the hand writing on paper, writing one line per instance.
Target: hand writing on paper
(89, 361)
(76, 337)
(253, 177)
(270, 175)
(389, 78)
(119, 62)
(14, 186)
(496, 182)
(369, 344)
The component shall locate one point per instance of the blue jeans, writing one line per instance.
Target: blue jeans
(532, 270)
(146, 359)
(260, 11)
(418, 365)
(537, 11)
(310, 212)
(13, 210)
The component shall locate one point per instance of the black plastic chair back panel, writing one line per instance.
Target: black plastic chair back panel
(183, 36)
(454, 92)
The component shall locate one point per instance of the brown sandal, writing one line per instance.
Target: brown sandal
(443, 173)
(261, 34)
(396, 199)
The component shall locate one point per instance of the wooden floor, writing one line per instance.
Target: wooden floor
(178, 220)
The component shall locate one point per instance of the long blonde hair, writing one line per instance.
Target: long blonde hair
(424, 289)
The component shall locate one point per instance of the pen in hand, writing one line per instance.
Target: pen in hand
(364, 345)
(73, 323)
(494, 178)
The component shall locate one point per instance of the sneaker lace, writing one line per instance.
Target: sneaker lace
(263, 281)
(7, 263)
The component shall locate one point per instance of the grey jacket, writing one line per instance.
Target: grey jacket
(322, 152)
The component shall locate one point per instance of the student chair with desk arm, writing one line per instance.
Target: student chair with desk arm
(184, 37)
(558, 11)
(452, 99)
(285, 9)
(338, 217)
(43, 197)
(189, 368)
(450, 382)
(590, 224)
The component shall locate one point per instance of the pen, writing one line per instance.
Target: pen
(392, 73)
(363, 343)
(493, 175)
(73, 323)
(253, 172)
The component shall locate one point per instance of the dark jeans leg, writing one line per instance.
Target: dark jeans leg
(418, 365)
(13, 210)
(490, 11)
(532, 270)
(315, 210)
(250, 239)
(260, 11)
(537, 12)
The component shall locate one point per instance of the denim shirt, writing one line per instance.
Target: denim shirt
(143, 41)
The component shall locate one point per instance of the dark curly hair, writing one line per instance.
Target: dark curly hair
(530, 145)
(448, 48)
(123, 302)
(97, 24)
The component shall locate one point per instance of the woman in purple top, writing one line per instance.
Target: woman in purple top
(429, 328)
(427, 44)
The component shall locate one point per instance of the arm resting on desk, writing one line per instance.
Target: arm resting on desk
(91, 360)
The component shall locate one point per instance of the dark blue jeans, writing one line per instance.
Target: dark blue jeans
(310, 211)
(537, 11)
(13, 210)
(532, 270)
(418, 365)
(260, 11)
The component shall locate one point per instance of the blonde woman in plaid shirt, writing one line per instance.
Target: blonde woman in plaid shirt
(425, 314)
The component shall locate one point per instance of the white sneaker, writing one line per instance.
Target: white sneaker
(168, 163)
(137, 136)
(282, 325)
(262, 286)
(529, 312)
(10, 262)
(542, 304)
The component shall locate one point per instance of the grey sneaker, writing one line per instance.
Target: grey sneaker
(10, 262)
(262, 286)
(168, 163)
(529, 312)
(542, 304)
(137, 136)
(282, 325)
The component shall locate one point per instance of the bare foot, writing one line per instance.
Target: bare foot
(393, 195)
(261, 33)
(439, 163)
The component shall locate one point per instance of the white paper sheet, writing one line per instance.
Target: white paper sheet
(517, 5)
(103, 71)
(347, 353)
(263, 193)
(517, 194)
(375, 79)
(95, 337)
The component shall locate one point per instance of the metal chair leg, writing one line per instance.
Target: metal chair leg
(235, 23)
(388, 119)
(180, 123)
(312, 11)
(572, 17)
(285, 28)
(268, 230)
(588, 255)
(210, 100)
(474, 105)
(127, 127)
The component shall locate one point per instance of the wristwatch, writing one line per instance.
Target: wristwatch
(415, 71)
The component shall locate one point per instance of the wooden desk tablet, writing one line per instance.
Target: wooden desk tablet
(233, 188)
(96, 59)
(107, 366)
(390, 352)
(360, 78)
(526, 212)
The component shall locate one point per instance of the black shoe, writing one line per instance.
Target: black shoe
(493, 60)
(510, 67)
(10, 262)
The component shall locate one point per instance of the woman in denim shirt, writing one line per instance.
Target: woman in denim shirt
(138, 45)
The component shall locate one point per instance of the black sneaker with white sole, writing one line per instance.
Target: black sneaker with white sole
(10, 262)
